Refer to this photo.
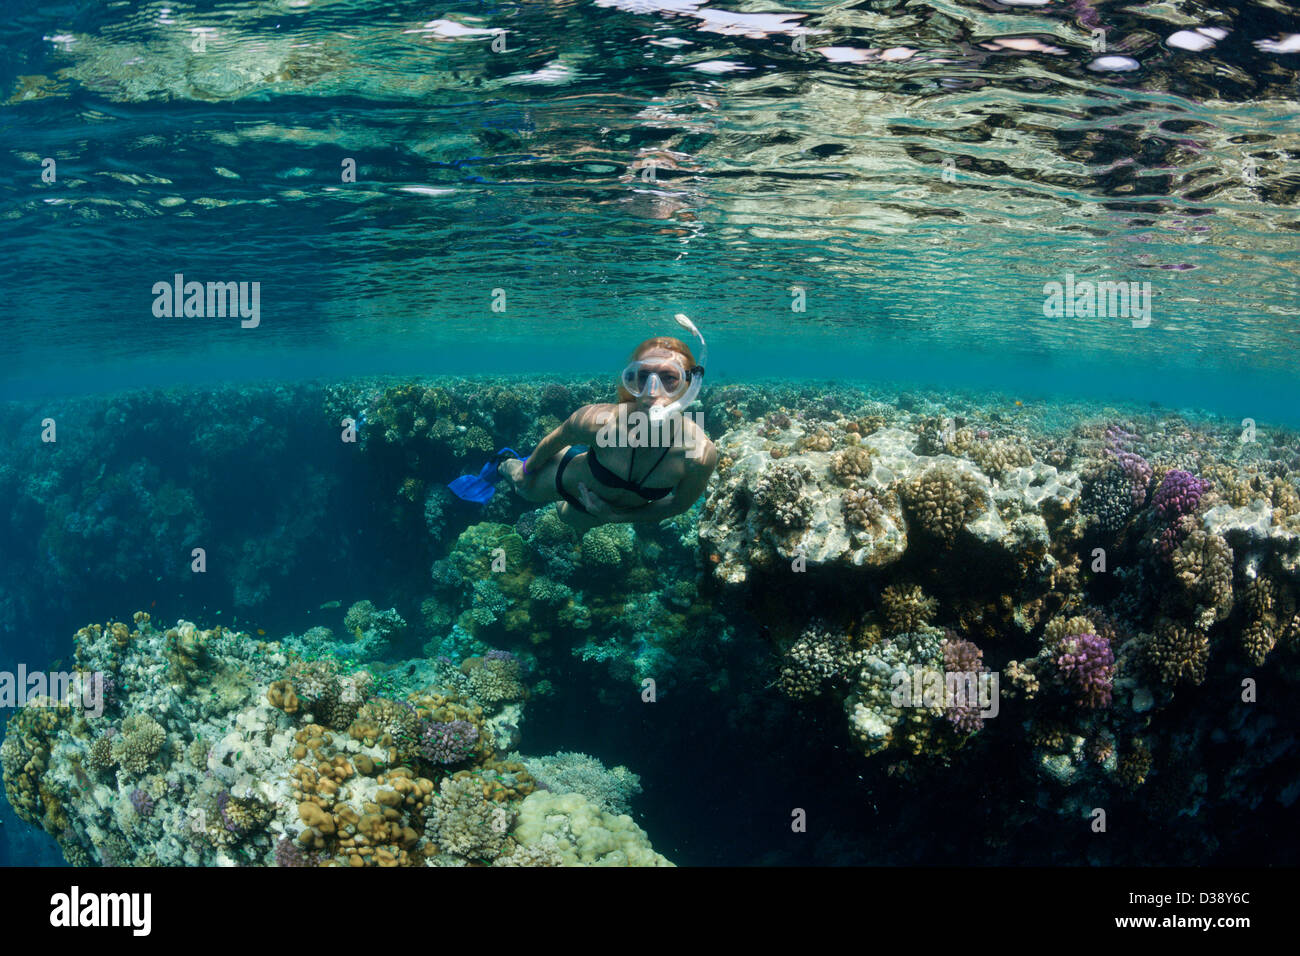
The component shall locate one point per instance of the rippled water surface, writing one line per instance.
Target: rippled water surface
(868, 188)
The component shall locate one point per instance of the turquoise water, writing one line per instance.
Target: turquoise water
(526, 170)
(862, 205)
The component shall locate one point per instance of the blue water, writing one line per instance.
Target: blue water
(479, 171)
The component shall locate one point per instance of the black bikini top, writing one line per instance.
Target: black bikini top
(611, 480)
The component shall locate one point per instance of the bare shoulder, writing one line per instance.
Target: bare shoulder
(701, 453)
(584, 423)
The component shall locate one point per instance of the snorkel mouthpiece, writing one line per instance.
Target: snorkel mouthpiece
(659, 412)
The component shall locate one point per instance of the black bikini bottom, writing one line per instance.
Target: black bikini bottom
(573, 452)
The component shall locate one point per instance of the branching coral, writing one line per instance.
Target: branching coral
(1135, 469)
(465, 823)
(1202, 565)
(1108, 498)
(999, 456)
(1270, 610)
(448, 742)
(964, 661)
(851, 464)
(141, 738)
(820, 658)
(1178, 652)
(1178, 497)
(607, 547)
(779, 494)
(862, 508)
(388, 723)
(609, 788)
(331, 698)
(1086, 664)
(494, 678)
(906, 608)
(942, 499)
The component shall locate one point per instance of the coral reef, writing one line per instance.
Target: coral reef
(941, 500)
(579, 832)
(817, 660)
(610, 789)
(1086, 663)
(254, 777)
(860, 558)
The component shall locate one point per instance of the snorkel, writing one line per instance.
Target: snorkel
(682, 402)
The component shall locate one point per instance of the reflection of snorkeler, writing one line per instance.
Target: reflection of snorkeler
(654, 462)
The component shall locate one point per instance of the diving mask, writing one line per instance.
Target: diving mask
(655, 377)
(668, 377)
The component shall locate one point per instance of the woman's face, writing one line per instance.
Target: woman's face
(667, 366)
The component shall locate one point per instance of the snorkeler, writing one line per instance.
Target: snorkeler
(640, 459)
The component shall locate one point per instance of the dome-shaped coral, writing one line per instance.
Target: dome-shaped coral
(779, 495)
(942, 499)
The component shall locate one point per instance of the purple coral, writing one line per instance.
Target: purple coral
(448, 742)
(1179, 494)
(100, 692)
(289, 853)
(1177, 498)
(1087, 664)
(1119, 446)
(495, 655)
(227, 821)
(964, 658)
(142, 802)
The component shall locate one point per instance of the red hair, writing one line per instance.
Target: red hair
(666, 343)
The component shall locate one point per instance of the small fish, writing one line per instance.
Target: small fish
(1019, 403)
(329, 605)
(261, 632)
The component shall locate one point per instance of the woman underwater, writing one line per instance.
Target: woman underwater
(640, 459)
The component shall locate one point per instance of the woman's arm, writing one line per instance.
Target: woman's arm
(577, 428)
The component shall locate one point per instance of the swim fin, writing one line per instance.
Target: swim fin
(480, 488)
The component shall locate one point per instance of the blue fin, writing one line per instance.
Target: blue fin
(480, 488)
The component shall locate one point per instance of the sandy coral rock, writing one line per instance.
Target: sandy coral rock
(581, 833)
(1254, 537)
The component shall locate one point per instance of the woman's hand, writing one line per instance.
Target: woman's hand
(597, 505)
